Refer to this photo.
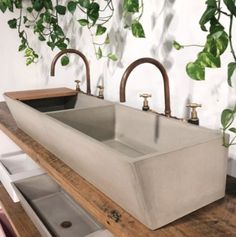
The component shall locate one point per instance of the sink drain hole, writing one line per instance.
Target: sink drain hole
(66, 224)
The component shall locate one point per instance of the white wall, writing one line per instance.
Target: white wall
(163, 21)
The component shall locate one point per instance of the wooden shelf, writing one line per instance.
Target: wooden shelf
(216, 220)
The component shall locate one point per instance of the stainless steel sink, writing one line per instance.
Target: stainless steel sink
(156, 168)
(53, 211)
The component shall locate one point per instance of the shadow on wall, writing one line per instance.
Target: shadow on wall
(118, 38)
(80, 39)
(164, 46)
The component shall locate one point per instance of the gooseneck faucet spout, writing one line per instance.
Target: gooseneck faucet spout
(74, 51)
(164, 76)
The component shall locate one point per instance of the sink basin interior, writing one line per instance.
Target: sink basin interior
(52, 104)
(132, 132)
(79, 101)
(18, 164)
(106, 125)
(59, 213)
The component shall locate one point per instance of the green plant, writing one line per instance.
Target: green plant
(134, 9)
(227, 119)
(43, 17)
(218, 39)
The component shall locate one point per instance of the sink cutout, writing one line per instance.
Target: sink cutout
(52, 104)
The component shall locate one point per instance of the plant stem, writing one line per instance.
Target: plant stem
(225, 13)
(20, 19)
(141, 13)
(219, 11)
(193, 45)
(230, 37)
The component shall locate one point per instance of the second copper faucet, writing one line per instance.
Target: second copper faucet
(65, 51)
(164, 76)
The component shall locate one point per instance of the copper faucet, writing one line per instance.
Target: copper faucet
(164, 76)
(65, 51)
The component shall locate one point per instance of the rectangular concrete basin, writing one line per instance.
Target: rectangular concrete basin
(156, 168)
(53, 211)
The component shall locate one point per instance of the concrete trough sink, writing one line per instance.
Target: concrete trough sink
(157, 168)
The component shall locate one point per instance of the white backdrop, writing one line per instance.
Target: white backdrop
(163, 21)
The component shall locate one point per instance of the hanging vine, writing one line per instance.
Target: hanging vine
(218, 39)
(43, 17)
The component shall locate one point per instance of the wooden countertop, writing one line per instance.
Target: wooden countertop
(215, 220)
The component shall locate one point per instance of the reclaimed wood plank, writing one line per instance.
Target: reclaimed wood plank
(39, 94)
(20, 221)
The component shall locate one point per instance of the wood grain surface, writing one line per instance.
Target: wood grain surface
(19, 220)
(39, 94)
(216, 220)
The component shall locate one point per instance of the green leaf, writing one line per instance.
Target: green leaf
(230, 4)
(48, 4)
(51, 44)
(72, 6)
(47, 17)
(195, 71)
(29, 61)
(93, 11)
(216, 46)
(107, 40)
(25, 19)
(28, 52)
(41, 37)
(22, 47)
(131, 5)
(215, 26)
(9, 4)
(207, 16)
(137, 29)
(211, 3)
(99, 53)
(100, 30)
(231, 69)
(3, 6)
(227, 117)
(112, 56)
(84, 3)
(60, 9)
(38, 5)
(61, 45)
(29, 9)
(58, 31)
(12, 23)
(65, 60)
(232, 130)
(177, 46)
(83, 22)
(206, 59)
(18, 4)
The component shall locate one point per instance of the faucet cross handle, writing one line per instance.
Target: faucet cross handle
(193, 107)
(77, 85)
(100, 92)
(145, 102)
